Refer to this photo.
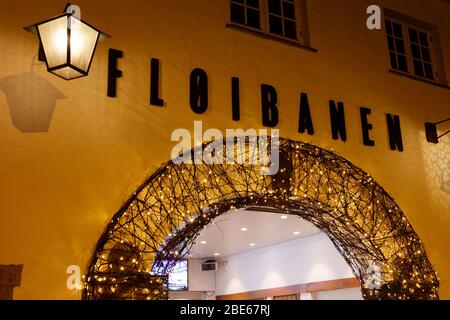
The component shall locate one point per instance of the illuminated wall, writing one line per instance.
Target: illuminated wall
(307, 260)
(70, 156)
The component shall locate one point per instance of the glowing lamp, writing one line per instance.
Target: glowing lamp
(67, 44)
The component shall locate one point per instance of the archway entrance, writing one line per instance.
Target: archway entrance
(160, 222)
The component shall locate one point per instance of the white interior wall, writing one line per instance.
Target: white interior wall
(199, 280)
(305, 260)
(310, 259)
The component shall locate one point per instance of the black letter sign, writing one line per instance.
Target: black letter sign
(154, 84)
(395, 132)
(337, 116)
(235, 99)
(113, 72)
(366, 127)
(269, 106)
(305, 120)
(199, 91)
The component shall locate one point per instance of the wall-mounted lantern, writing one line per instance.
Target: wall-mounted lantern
(67, 44)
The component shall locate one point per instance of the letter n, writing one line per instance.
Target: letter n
(395, 132)
(337, 115)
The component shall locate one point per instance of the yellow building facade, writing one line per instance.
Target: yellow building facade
(71, 156)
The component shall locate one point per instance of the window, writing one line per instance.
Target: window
(396, 46)
(276, 19)
(421, 53)
(414, 48)
(282, 19)
(246, 12)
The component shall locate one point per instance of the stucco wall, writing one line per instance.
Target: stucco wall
(60, 186)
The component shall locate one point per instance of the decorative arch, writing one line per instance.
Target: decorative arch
(159, 224)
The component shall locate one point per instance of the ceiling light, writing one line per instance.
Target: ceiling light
(244, 229)
(217, 254)
(284, 217)
(252, 244)
(203, 242)
(297, 233)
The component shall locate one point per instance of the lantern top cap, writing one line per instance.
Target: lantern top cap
(33, 28)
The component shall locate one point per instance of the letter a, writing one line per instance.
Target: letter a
(374, 20)
(74, 280)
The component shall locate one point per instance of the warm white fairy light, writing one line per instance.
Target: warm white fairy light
(318, 187)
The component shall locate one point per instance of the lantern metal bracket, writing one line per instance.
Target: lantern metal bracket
(431, 131)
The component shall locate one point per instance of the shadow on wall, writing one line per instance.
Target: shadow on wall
(31, 101)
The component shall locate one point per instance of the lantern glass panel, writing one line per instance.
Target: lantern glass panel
(54, 40)
(83, 40)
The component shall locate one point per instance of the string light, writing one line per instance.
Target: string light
(160, 223)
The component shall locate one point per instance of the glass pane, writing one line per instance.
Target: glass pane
(290, 29)
(426, 54)
(391, 43)
(275, 25)
(288, 10)
(237, 13)
(83, 40)
(423, 39)
(275, 6)
(393, 57)
(418, 69)
(415, 51)
(413, 37)
(399, 46)
(388, 27)
(253, 18)
(253, 3)
(429, 71)
(67, 73)
(397, 30)
(54, 40)
(238, 1)
(402, 64)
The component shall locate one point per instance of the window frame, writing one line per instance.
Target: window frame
(431, 52)
(434, 46)
(301, 19)
(260, 9)
(298, 20)
(407, 48)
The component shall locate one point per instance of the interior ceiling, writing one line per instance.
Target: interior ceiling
(225, 237)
